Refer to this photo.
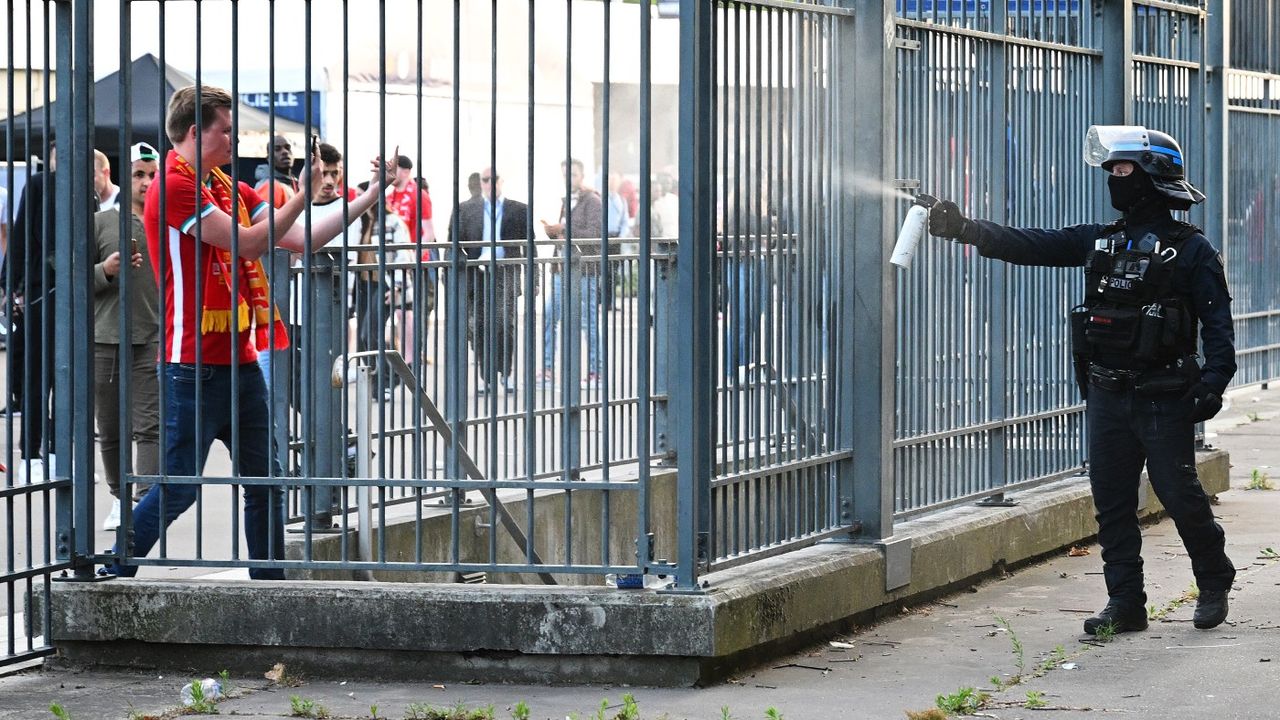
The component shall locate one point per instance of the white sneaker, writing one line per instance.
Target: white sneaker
(113, 518)
(33, 475)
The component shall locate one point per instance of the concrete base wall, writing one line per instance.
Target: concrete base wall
(563, 634)
(586, 513)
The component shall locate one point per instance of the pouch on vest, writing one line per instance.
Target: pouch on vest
(1112, 328)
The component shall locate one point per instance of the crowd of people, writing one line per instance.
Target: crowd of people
(214, 235)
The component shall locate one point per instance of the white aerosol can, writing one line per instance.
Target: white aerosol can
(913, 230)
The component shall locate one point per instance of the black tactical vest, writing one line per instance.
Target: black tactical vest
(1130, 310)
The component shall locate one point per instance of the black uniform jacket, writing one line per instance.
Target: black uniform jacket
(1199, 276)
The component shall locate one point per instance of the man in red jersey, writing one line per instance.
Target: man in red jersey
(413, 205)
(217, 316)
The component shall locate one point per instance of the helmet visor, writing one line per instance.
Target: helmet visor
(1102, 140)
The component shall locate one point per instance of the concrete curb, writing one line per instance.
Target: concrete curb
(523, 633)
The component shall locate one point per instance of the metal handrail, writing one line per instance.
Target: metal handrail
(397, 363)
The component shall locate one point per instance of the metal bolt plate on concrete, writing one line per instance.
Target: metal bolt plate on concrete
(897, 562)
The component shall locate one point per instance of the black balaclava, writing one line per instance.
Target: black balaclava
(1129, 192)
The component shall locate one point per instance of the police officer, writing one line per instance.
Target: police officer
(1150, 280)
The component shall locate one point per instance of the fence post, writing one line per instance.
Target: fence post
(692, 384)
(1217, 132)
(72, 354)
(664, 263)
(998, 377)
(281, 380)
(1217, 122)
(1114, 102)
(867, 99)
(327, 337)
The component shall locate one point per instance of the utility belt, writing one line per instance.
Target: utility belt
(1175, 376)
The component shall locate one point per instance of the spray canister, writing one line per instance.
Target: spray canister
(913, 230)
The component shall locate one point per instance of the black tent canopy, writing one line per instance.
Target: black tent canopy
(147, 102)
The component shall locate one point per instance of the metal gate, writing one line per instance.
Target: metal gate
(35, 494)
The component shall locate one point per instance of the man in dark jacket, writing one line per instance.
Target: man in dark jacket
(30, 259)
(1149, 281)
(493, 276)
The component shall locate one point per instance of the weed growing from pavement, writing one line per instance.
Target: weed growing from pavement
(224, 677)
(1055, 659)
(58, 712)
(773, 714)
(305, 708)
(1019, 655)
(965, 701)
(1106, 633)
(1268, 553)
(520, 711)
(1154, 614)
(460, 711)
(1035, 699)
(199, 702)
(1259, 480)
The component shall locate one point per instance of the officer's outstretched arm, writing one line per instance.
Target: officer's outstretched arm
(1066, 247)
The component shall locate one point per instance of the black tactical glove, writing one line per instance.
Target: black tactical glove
(946, 220)
(1205, 403)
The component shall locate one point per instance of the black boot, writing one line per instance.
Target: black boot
(1120, 615)
(1211, 609)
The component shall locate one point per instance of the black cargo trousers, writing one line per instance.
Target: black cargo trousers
(1126, 428)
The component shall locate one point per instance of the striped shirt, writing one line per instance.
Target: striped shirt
(180, 262)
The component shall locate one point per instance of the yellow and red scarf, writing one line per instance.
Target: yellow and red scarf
(254, 291)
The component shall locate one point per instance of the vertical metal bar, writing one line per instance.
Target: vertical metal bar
(126, 520)
(530, 278)
(491, 286)
(604, 294)
(1115, 105)
(10, 525)
(868, 332)
(696, 255)
(570, 316)
(124, 418)
(1217, 127)
(998, 378)
(74, 376)
(455, 342)
(644, 346)
(364, 450)
(200, 249)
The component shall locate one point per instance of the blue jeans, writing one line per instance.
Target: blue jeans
(588, 290)
(185, 454)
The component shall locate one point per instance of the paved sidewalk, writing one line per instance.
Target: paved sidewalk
(1171, 671)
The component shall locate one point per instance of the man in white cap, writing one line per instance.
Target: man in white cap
(141, 303)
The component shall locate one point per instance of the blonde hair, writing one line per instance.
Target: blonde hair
(182, 109)
(100, 161)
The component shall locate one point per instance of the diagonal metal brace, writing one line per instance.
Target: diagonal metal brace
(442, 428)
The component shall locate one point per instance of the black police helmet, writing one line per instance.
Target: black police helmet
(1159, 156)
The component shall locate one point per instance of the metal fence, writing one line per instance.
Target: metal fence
(736, 375)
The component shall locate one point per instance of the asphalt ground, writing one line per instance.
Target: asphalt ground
(1017, 638)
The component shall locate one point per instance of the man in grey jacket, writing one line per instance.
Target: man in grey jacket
(141, 304)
